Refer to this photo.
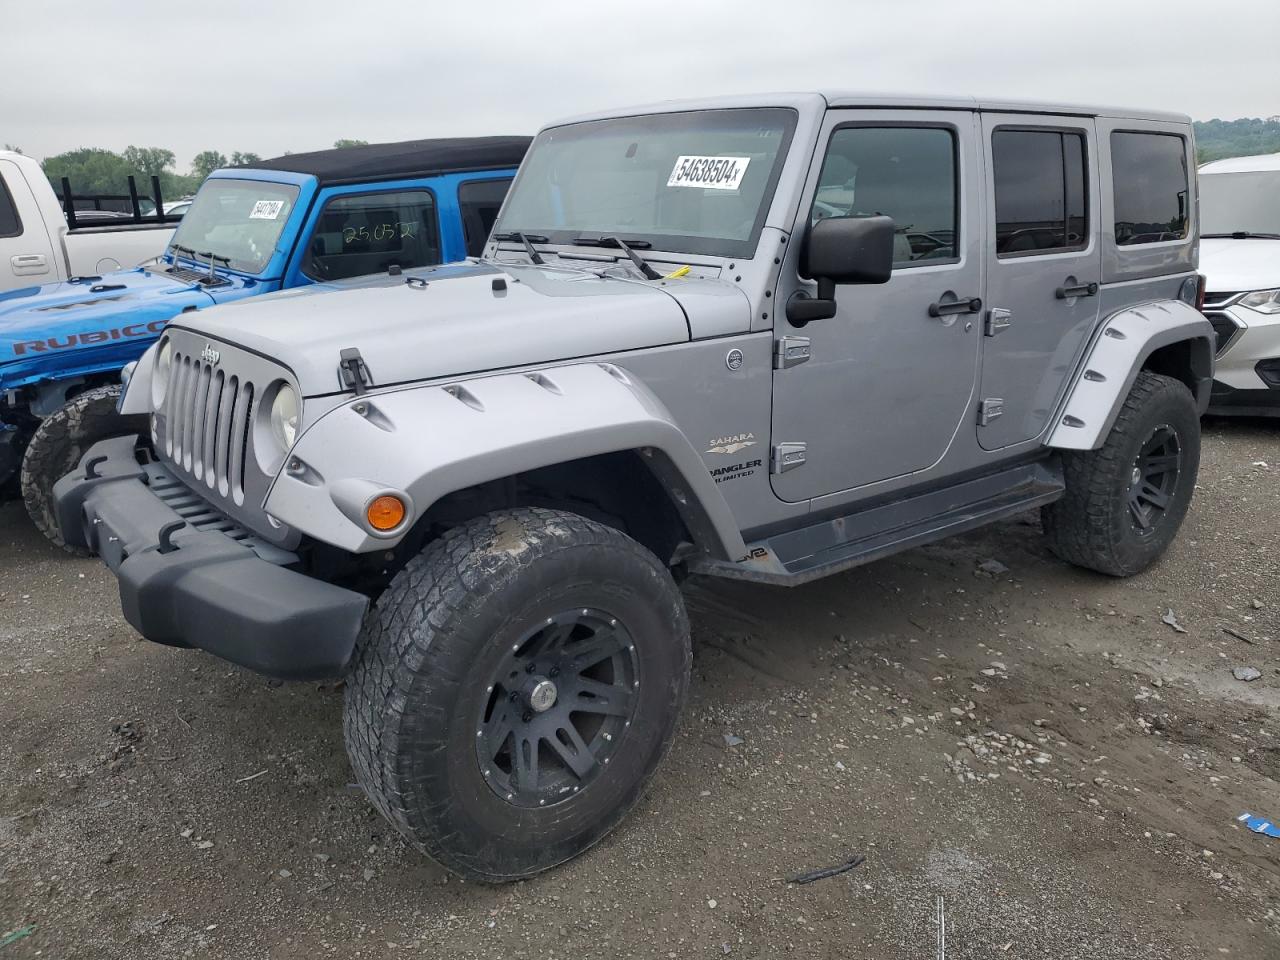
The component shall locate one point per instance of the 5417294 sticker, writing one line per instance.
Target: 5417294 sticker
(266, 209)
(709, 173)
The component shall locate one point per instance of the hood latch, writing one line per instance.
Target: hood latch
(353, 371)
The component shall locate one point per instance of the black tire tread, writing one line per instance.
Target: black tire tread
(409, 632)
(56, 447)
(1080, 526)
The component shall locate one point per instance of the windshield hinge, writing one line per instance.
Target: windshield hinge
(353, 372)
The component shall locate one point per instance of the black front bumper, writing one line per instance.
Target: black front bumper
(196, 585)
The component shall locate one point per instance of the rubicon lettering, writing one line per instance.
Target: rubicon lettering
(88, 338)
(714, 173)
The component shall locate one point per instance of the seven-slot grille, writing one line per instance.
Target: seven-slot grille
(209, 416)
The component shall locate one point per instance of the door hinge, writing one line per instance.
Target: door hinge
(998, 319)
(787, 456)
(789, 351)
(990, 409)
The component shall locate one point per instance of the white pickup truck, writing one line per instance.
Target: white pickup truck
(37, 247)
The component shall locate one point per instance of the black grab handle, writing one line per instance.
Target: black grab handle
(1079, 290)
(972, 305)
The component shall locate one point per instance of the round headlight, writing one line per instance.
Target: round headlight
(160, 374)
(285, 412)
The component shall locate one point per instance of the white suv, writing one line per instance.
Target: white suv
(1240, 258)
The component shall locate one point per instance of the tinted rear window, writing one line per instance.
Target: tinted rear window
(1041, 200)
(1149, 180)
(479, 202)
(10, 225)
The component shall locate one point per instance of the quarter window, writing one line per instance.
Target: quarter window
(479, 202)
(10, 224)
(907, 173)
(1040, 194)
(359, 235)
(1149, 178)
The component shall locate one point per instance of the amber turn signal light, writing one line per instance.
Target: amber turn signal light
(385, 512)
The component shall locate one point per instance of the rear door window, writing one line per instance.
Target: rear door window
(367, 233)
(1150, 182)
(1040, 194)
(479, 201)
(10, 223)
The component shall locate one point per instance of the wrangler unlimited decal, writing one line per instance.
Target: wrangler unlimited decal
(744, 469)
(85, 339)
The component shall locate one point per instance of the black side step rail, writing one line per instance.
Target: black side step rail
(830, 546)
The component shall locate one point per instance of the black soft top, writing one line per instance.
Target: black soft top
(409, 158)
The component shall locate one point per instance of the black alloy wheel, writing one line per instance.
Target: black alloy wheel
(558, 709)
(1154, 478)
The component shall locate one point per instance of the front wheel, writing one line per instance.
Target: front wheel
(56, 448)
(515, 689)
(1125, 501)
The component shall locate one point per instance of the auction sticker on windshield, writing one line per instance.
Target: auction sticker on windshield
(715, 173)
(266, 210)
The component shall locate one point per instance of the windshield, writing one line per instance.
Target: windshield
(237, 219)
(696, 182)
(1234, 202)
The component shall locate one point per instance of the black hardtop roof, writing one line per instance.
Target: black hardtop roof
(408, 158)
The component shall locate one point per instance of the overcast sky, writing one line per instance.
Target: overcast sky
(274, 75)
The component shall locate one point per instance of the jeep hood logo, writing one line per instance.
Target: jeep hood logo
(732, 444)
(210, 355)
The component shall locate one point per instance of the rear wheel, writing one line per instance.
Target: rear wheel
(515, 689)
(59, 443)
(1126, 500)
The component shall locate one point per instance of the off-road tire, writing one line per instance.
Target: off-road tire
(423, 672)
(1092, 525)
(59, 443)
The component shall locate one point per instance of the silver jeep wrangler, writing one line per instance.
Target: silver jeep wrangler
(763, 338)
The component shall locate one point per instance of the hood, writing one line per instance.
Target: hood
(61, 317)
(1234, 266)
(449, 321)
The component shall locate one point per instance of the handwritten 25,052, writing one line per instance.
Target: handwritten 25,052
(381, 231)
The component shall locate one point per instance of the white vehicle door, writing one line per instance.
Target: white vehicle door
(27, 255)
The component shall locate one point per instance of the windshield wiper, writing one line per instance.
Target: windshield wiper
(1240, 235)
(528, 241)
(647, 271)
(213, 279)
(181, 249)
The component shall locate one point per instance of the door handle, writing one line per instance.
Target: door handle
(26, 264)
(1076, 290)
(971, 305)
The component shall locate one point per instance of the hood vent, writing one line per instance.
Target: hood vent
(80, 303)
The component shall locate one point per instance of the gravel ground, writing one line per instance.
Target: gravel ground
(1031, 745)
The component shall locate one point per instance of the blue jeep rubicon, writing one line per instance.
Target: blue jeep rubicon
(292, 222)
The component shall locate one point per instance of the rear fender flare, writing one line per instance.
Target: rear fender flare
(430, 441)
(1120, 349)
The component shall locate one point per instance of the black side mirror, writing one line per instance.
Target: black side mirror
(842, 250)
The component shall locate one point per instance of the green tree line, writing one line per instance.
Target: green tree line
(1245, 137)
(93, 170)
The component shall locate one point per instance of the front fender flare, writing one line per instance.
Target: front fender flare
(1117, 353)
(430, 441)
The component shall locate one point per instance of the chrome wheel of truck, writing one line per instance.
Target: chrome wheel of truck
(515, 688)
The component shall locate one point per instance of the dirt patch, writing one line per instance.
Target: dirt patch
(1032, 745)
